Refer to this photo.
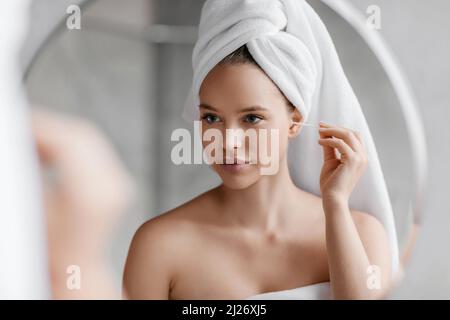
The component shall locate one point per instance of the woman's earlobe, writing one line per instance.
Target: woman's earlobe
(295, 123)
(294, 129)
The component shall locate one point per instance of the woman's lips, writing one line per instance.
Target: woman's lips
(234, 165)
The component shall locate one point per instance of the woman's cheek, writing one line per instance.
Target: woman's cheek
(273, 143)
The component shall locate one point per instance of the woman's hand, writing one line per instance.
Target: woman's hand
(340, 174)
(355, 240)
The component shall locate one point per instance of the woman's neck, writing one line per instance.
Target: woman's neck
(264, 205)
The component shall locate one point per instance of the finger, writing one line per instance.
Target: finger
(329, 152)
(339, 144)
(360, 137)
(345, 134)
(357, 134)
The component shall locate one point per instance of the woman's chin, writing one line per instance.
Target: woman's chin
(236, 184)
(238, 177)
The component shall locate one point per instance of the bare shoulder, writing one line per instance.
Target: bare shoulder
(375, 240)
(364, 222)
(157, 249)
(169, 227)
(367, 223)
(368, 226)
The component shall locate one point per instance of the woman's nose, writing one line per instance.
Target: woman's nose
(234, 138)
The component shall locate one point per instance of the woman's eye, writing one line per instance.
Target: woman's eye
(253, 119)
(210, 118)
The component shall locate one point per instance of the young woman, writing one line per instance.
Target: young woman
(256, 233)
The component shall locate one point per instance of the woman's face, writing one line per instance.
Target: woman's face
(243, 98)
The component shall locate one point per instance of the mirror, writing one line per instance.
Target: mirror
(129, 69)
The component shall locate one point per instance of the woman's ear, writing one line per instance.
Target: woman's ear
(295, 124)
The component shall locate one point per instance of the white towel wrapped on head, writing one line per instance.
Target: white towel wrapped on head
(291, 44)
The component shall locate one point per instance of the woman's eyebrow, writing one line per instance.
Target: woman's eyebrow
(205, 106)
(248, 109)
(253, 108)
